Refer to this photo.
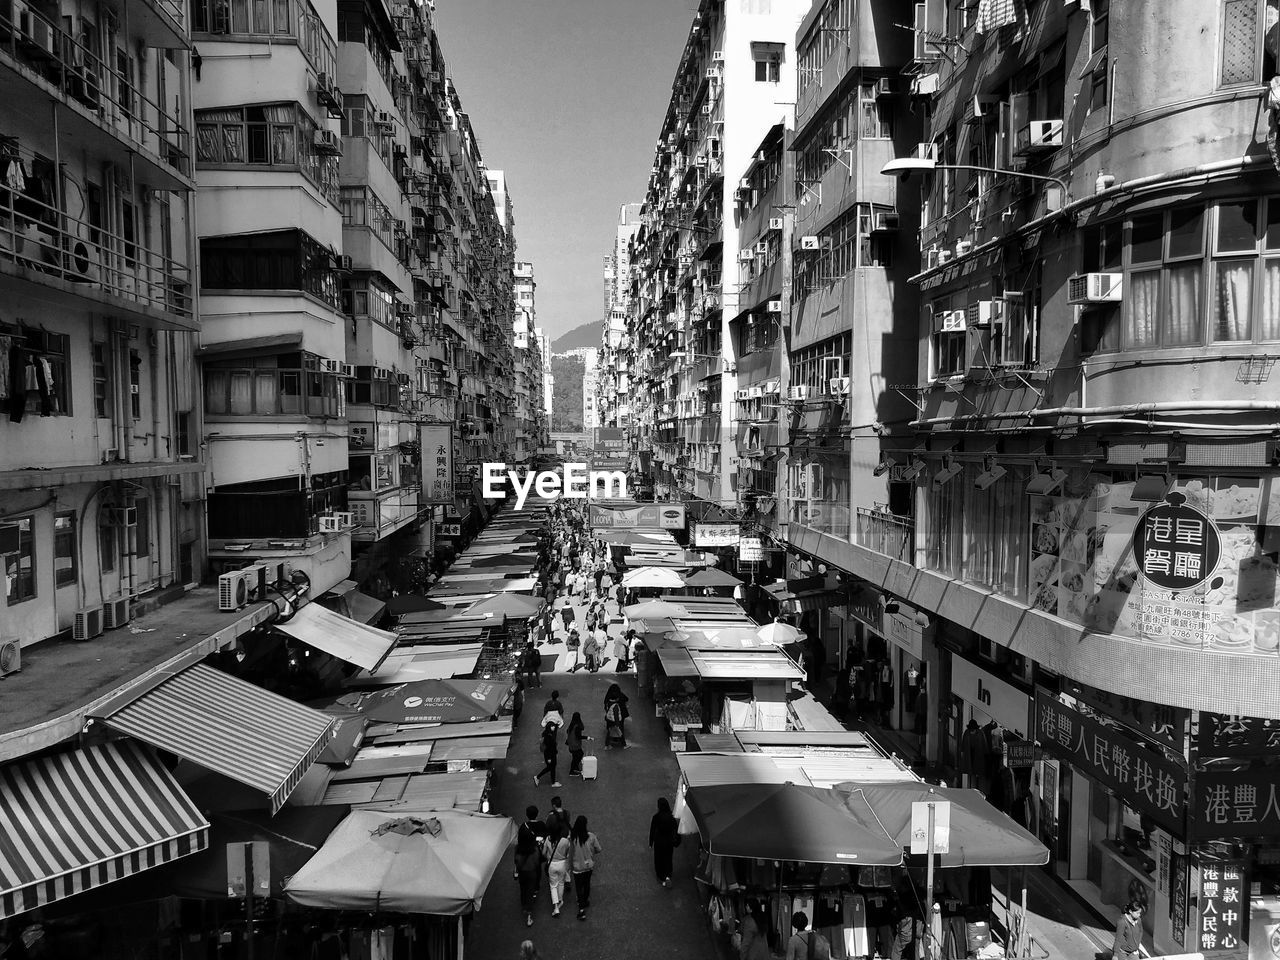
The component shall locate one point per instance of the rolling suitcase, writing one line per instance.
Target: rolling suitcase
(590, 766)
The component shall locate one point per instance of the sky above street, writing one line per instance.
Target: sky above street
(567, 97)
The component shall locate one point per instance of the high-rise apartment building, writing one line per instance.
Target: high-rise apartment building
(614, 387)
(735, 81)
(530, 413)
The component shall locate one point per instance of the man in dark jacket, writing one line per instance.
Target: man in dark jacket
(529, 860)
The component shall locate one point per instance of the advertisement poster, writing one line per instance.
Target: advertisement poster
(750, 549)
(664, 516)
(436, 443)
(1095, 561)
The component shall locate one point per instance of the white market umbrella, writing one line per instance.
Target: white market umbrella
(780, 634)
(660, 577)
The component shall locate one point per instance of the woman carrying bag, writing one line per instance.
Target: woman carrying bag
(556, 849)
(582, 861)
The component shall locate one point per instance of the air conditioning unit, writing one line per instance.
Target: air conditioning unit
(330, 525)
(884, 222)
(345, 264)
(717, 57)
(798, 393)
(952, 321)
(712, 73)
(706, 109)
(328, 143)
(38, 32)
(773, 306)
(762, 247)
(83, 258)
(404, 309)
(381, 373)
(810, 243)
(981, 108)
(234, 589)
(330, 366)
(984, 313)
(745, 256)
(116, 613)
(775, 223)
(886, 86)
(1088, 288)
(122, 516)
(839, 386)
(931, 258)
(87, 624)
(10, 656)
(1040, 135)
(344, 518)
(385, 119)
(744, 183)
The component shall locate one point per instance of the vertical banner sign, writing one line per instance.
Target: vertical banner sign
(1178, 899)
(750, 549)
(436, 443)
(1222, 906)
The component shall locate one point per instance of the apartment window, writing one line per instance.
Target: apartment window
(1242, 43)
(48, 364)
(1096, 71)
(184, 434)
(270, 386)
(815, 366)
(135, 384)
(876, 114)
(20, 567)
(980, 536)
(65, 566)
(768, 66)
(267, 135)
(948, 338)
(279, 260)
(101, 381)
(247, 17)
(142, 532)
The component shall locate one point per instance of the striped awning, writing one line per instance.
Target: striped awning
(81, 819)
(226, 725)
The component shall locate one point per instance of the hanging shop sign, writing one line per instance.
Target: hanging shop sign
(1223, 906)
(1224, 735)
(1191, 573)
(902, 631)
(450, 530)
(1145, 779)
(436, 443)
(1236, 804)
(1177, 547)
(865, 606)
(1162, 723)
(716, 534)
(1178, 898)
(664, 516)
(750, 549)
(1002, 702)
(1020, 754)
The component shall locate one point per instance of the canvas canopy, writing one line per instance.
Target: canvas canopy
(438, 862)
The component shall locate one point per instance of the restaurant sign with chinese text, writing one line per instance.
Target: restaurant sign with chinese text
(1225, 735)
(1177, 547)
(1145, 779)
(1223, 907)
(1236, 804)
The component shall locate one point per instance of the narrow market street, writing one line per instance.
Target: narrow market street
(627, 902)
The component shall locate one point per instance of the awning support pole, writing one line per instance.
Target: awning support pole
(1022, 923)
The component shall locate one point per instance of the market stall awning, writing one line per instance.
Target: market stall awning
(981, 836)
(224, 724)
(803, 595)
(436, 701)
(348, 734)
(676, 662)
(649, 577)
(411, 603)
(77, 820)
(780, 634)
(339, 636)
(438, 863)
(423, 791)
(745, 665)
(350, 602)
(711, 577)
(786, 821)
(410, 663)
(655, 610)
(507, 605)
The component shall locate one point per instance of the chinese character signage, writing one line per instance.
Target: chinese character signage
(1020, 754)
(436, 443)
(1236, 804)
(1192, 572)
(750, 549)
(665, 516)
(715, 534)
(1177, 546)
(1157, 721)
(1144, 778)
(1178, 898)
(1224, 735)
(453, 530)
(1223, 906)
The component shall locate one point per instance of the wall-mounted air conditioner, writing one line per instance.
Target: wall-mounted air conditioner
(839, 386)
(87, 623)
(762, 247)
(798, 393)
(330, 524)
(1088, 288)
(985, 312)
(234, 589)
(330, 366)
(775, 223)
(116, 613)
(886, 222)
(10, 656)
(344, 518)
(773, 306)
(122, 516)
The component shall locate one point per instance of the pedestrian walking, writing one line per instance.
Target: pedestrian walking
(531, 661)
(528, 865)
(582, 861)
(556, 848)
(566, 614)
(599, 575)
(602, 639)
(550, 747)
(529, 952)
(1128, 941)
(558, 816)
(620, 652)
(751, 940)
(591, 650)
(664, 837)
(574, 643)
(616, 712)
(806, 943)
(574, 735)
(554, 705)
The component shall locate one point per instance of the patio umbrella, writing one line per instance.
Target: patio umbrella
(654, 610)
(515, 605)
(780, 634)
(711, 578)
(644, 577)
(436, 701)
(411, 603)
(439, 862)
(786, 821)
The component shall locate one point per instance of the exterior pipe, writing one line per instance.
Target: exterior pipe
(1128, 409)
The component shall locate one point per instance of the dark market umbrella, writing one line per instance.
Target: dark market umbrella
(411, 603)
(981, 836)
(786, 821)
(512, 560)
(711, 577)
(436, 701)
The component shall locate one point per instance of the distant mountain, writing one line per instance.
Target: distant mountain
(587, 335)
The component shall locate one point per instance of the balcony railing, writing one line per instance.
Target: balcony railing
(826, 516)
(40, 237)
(270, 392)
(84, 78)
(886, 533)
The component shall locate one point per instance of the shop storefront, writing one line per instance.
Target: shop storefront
(887, 652)
(1113, 811)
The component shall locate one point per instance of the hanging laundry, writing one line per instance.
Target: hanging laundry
(44, 384)
(17, 384)
(994, 14)
(6, 344)
(15, 178)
